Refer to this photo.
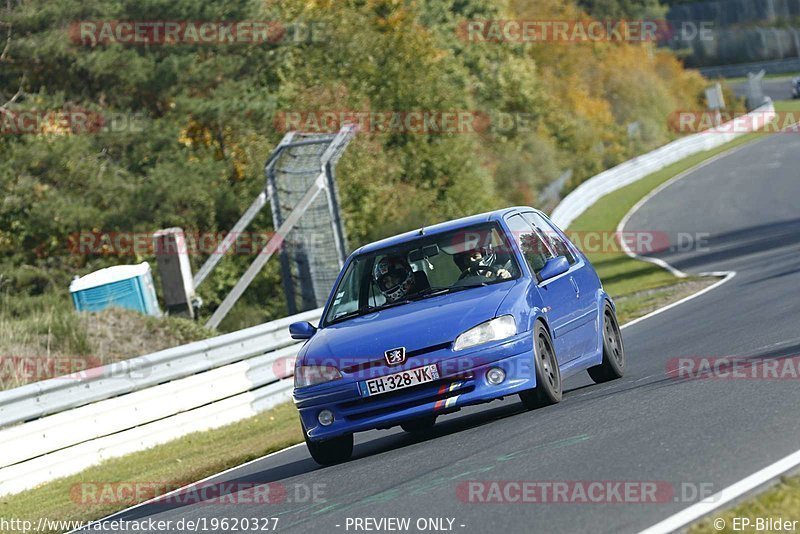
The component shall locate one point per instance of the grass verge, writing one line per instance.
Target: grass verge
(781, 501)
(778, 76)
(43, 337)
(638, 288)
(173, 464)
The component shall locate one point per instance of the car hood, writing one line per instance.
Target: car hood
(416, 326)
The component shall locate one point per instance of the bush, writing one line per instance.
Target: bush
(206, 120)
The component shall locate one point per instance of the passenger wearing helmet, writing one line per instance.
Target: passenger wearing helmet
(481, 262)
(394, 278)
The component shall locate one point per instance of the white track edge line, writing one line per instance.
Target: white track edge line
(735, 490)
(728, 276)
(183, 488)
(698, 510)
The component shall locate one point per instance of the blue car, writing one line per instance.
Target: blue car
(461, 313)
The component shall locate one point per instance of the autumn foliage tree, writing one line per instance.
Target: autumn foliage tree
(208, 115)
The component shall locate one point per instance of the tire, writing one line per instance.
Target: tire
(330, 451)
(548, 375)
(420, 424)
(613, 365)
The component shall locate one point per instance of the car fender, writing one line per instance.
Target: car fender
(525, 303)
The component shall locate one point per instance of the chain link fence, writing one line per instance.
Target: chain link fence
(315, 249)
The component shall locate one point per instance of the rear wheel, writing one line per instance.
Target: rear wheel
(420, 424)
(330, 451)
(613, 365)
(548, 376)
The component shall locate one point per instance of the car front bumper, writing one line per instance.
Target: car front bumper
(462, 382)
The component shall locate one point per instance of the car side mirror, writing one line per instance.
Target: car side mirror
(554, 267)
(303, 330)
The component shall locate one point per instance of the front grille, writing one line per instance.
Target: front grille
(415, 396)
(382, 361)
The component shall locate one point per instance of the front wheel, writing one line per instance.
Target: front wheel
(548, 375)
(613, 365)
(330, 451)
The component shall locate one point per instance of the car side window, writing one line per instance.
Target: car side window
(530, 243)
(555, 240)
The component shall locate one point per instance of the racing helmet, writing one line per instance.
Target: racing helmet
(482, 258)
(393, 277)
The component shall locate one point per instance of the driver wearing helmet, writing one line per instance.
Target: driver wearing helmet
(394, 278)
(481, 262)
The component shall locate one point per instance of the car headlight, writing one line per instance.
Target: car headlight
(499, 328)
(309, 375)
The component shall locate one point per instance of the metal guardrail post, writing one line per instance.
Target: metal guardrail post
(334, 145)
(266, 253)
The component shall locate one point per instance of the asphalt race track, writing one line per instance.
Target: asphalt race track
(775, 88)
(691, 434)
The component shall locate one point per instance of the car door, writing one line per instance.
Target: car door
(582, 277)
(559, 293)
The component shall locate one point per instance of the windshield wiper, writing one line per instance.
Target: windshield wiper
(434, 291)
(431, 291)
(344, 316)
(367, 311)
(425, 293)
(479, 284)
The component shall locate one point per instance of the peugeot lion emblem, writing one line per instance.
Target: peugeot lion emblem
(396, 356)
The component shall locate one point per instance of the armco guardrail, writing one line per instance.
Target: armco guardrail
(585, 195)
(59, 394)
(776, 66)
(61, 426)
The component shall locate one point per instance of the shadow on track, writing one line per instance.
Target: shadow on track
(226, 487)
(451, 426)
(755, 240)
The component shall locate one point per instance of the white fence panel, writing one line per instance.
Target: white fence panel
(589, 192)
(69, 424)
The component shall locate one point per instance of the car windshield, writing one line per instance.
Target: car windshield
(428, 266)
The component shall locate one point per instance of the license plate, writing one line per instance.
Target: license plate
(403, 379)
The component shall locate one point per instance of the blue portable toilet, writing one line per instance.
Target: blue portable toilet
(121, 286)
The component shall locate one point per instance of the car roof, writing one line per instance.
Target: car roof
(439, 228)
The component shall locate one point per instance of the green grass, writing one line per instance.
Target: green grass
(740, 79)
(787, 105)
(176, 463)
(42, 336)
(780, 501)
(637, 286)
